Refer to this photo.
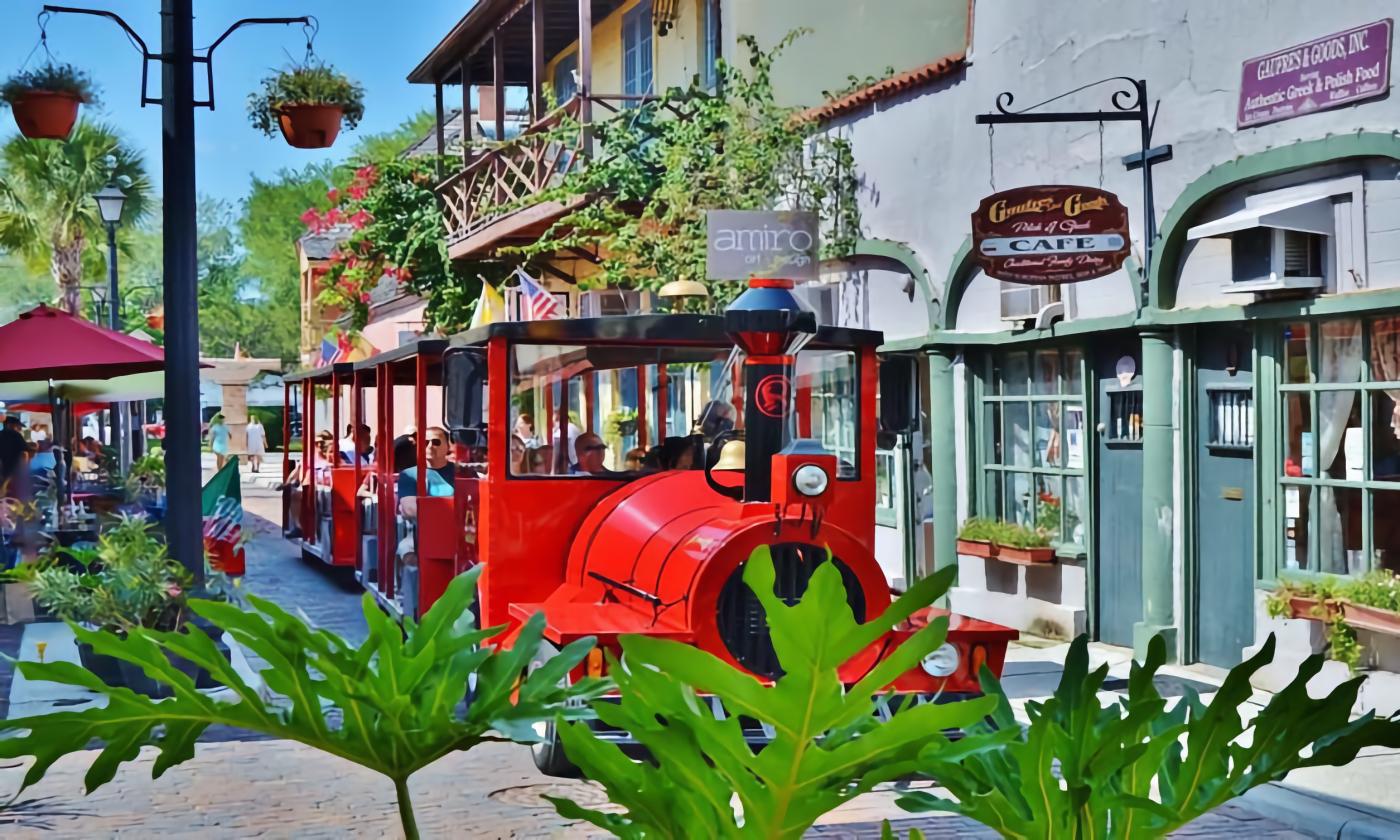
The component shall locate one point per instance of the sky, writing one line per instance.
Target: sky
(376, 42)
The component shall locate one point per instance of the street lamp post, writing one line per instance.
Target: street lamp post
(184, 522)
(110, 201)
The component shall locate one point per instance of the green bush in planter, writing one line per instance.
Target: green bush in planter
(52, 78)
(309, 84)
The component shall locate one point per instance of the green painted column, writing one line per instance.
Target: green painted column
(1158, 469)
(944, 467)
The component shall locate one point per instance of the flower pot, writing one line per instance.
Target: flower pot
(45, 114)
(977, 548)
(104, 667)
(1374, 619)
(310, 126)
(1026, 555)
(626, 428)
(1306, 608)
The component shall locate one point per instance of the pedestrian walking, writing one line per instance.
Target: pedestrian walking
(257, 443)
(218, 440)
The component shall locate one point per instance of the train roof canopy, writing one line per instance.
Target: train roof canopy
(643, 329)
(321, 373)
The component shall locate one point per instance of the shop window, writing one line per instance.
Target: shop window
(709, 43)
(1340, 428)
(1032, 442)
(636, 52)
(564, 84)
(1231, 417)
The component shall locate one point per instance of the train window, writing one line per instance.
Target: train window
(828, 404)
(608, 411)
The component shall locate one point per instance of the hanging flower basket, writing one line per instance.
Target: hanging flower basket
(308, 104)
(45, 101)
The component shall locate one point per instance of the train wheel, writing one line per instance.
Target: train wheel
(548, 754)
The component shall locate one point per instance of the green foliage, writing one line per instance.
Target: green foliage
(147, 474)
(127, 581)
(1009, 534)
(828, 746)
(616, 421)
(310, 84)
(398, 695)
(1379, 588)
(47, 214)
(54, 78)
(1138, 769)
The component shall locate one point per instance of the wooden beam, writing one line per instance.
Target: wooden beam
(440, 133)
(585, 61)
(466, 75)
(498, 82)
(537, 106)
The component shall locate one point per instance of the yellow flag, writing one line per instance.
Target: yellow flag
(490, 307)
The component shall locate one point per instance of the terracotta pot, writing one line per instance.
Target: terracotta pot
(1026, 555)
(46, 114)
(1374, 619)
(310, 126)
(1300, 607)
(977, 548)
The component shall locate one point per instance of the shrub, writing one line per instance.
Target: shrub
(55, 78)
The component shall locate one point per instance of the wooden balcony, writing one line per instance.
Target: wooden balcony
(491, 201)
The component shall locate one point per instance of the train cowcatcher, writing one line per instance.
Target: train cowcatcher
(787, 461)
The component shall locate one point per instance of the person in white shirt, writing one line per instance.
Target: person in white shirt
(257, 443)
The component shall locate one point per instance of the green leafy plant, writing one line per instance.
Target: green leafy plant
(621, 423)
(1379, 588)
(309, 84)
(1138, 769)
(1008, 534)
(977, 529)
(147, 475)
(51, 78)
(828, 746)
(128, 581)
(398, 694)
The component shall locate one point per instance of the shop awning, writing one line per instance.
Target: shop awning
(136, 386)
(1308, 213)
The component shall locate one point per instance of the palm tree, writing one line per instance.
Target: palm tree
(46, 206)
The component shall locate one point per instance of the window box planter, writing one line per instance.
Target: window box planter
(46, 114)
(977, 548)
(1027, 556)
(1375, 619)
(1307, 608)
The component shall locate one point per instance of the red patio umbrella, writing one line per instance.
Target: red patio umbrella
(47, 343)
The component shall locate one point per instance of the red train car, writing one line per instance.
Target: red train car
(319, 487)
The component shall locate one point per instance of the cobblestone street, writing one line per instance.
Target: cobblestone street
(239, 786)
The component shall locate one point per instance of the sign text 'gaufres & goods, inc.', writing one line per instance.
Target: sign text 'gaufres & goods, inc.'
(1050, 234)
(1329, 72)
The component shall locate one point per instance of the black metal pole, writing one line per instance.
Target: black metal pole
(120, 438)
(184, 517)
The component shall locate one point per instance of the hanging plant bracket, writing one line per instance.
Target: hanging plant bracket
(207, 59)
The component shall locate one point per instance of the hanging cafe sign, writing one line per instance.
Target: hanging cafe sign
(1049, 235)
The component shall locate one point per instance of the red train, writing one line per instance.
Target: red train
(782, 453)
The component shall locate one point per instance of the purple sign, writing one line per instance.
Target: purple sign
(1326, 73)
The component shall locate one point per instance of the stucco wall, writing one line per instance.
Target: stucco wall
(924, 163)
(849, 38)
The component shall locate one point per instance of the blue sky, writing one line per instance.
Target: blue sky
(374, 41)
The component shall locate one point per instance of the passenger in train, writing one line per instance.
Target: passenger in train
(362, 447)
(590, 453)
(633, 460)
(442, 473)
(541, 460)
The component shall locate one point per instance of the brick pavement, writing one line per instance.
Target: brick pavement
(236, 787)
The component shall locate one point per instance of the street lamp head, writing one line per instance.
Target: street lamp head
(110, 200)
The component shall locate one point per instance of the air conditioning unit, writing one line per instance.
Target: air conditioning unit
(1267, 259)
(1031, 305)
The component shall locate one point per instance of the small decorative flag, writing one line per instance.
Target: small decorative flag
(223, 520)
(539, 304)
(490, 307)
(328, 351)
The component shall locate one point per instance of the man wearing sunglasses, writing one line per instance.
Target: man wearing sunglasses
(441, 473)
(590, 451)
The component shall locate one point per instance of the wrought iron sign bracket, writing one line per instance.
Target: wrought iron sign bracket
(1129, 104)
(207, 59)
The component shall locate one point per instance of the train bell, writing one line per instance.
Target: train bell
(731, 457)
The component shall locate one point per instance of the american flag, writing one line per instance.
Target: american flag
(539, 304)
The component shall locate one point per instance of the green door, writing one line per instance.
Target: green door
(1224, 587)
(1118, 558)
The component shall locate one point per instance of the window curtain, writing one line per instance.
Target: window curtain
(1339, 361)
(1385, 363)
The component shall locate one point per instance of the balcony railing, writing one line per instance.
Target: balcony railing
(503, 180)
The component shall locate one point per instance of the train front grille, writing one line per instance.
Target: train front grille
(742, 624)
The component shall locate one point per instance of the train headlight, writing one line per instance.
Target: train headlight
(810, 480)
(942, 662)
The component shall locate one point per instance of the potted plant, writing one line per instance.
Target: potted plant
(308, 104)
(977, 538)
(1372, 602)
(45, 100)
(127, 581)
(1020, 544)
(145, 482)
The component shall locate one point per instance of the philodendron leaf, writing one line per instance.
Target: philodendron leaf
(399, 693)
(1141, 768)
(705, 779)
